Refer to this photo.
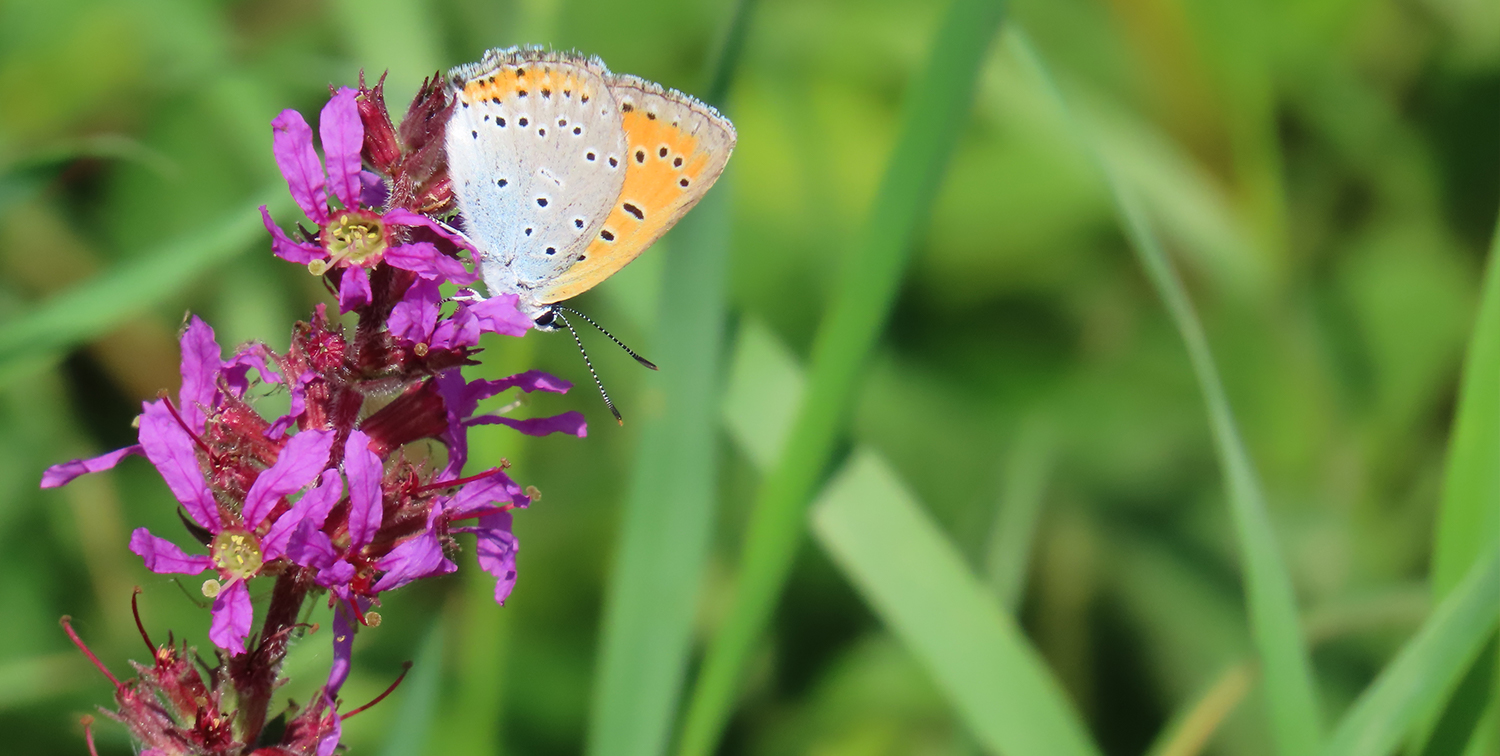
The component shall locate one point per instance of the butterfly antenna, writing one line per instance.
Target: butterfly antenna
(587, 362)
(621, 344)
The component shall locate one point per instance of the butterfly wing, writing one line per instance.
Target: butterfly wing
(536, 154)
(676, 147)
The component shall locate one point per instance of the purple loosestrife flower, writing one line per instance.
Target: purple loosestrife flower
(326, 498)
(352, 238)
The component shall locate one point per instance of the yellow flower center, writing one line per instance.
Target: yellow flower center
(354, 237)
(237, 554)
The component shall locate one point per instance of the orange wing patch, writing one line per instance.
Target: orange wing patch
(526, 79)
(677, 148)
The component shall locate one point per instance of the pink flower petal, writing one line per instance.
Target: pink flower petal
(461, 329)
(354, 289)
(298, 405)
(171, 449)
(298, 465)
(336, 574)
(343, 135)
(415, 316)
(414, 559)
(313, 507)
(373, 191)
(571, 423)
(201, 362)
(232, 618)
(424, 259)
(496, 547)
(364, 470)
(403, 217)
(498, 314)
(63, 474)
(480, 494)
(162, 556)
(291, 143)
(343, 646)
(311, 547)
(283, 247)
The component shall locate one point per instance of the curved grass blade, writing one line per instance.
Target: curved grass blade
(93, 307)
(413, 720)
(1275, 628)
(919, 585)
(1189, 732)
(1469, 515)
(667, 525)
(935, 110)
(1429, 664)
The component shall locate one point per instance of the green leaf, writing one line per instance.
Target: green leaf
(90, 309)
(935, 111)
(1027, 469)
(668, 520)
(1275, 628)
(1427, 666)
(918, 584)
(419, 696)
(1190, 729)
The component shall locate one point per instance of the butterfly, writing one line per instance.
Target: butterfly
(564, 172)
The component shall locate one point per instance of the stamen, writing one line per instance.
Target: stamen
(136, 610)
(406, 667)
(461, 481)
(67, 623)
(200, 442)
(88, 733)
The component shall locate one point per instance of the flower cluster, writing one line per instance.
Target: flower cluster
(328, 499)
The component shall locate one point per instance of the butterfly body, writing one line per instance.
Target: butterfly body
(565, 172)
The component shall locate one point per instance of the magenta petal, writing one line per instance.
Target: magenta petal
(462, 329)
(414, 559)
(424, 259)
(373, 191)
(481, 493)
(354, 289)
(171, 449)
(163, 556)
(236, 370)
(63, 474)
(338, 573)
(291, 143)
(299, 463)
(415, 316)
(201, 362)
(571, 423)
(498, 314)
(343, 646)
(232, 618)
(364, 470)
(496, 548)
(313, 507)
(283, 247)
(311, 547)
(298, 406)
(403, 217)
(343, 135)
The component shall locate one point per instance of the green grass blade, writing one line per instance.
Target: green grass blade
(1468, 520)
(93, 307)
(419, 697)
(918, 584)
(1008, 553)
(667, 525)
(1272, 604)
(936, 109)
(1428, 665)
(1467, 707)
(1190, 730)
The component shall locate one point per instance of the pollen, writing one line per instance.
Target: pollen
(356, 237)
(237, 554)
(211, 588)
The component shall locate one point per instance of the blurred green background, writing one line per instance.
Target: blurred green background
(1324, 174)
